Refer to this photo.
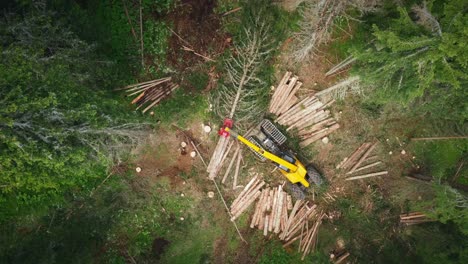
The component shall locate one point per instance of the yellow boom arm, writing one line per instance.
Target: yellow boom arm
(296, 172)
(263, 152)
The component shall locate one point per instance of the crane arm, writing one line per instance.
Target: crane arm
(262, 152)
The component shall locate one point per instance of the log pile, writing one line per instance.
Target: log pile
(271, 211)
(308, 115)
(271, 215)
(298, 228)
(359, 161)
(215, 162)
(414, 218)
(149, 94)
(308, 243)
(249, 194)
(285, 94)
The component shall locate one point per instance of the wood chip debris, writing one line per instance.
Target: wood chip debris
(414, 218)
(308, 115)
(361, 160)
(149, 94)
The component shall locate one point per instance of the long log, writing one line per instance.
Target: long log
(316, 137)
(228, 150)
(231, 163)
(346, 82)
(311, 129)
(160, 98)
(143, 83)
(213, 166)
(149, 96)
(285, 105)
(310, 110)
(361, 160)
(278, 92)
(261, 221)
(284, 94)
(439, 138)
(247, 196)
(142, 89)
(367, 175)
(273, 210)
(138, 97)
(301, 217)
(246, 188)
(366, 167)
(257, 210)
(296, 206)
(310, 118)
(342, 258)
(279, 210)
(296, 109)
(236, 174)
(353, 156)
(244, 206)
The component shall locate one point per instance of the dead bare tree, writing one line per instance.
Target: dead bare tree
(426, 19)
(317, 22)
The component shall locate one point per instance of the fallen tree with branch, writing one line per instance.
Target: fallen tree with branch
(240, 97)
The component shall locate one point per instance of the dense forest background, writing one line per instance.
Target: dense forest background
(68, 190)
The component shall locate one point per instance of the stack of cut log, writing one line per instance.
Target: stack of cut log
(285, 94)
(308, 242)
(219, 155)
(248, 195)
(360, 161)
(297, 220)
(150, 93)
(298, 228)
(236, 158)
(271, 214)
(271, 211)
(414, 218)
(309, 116)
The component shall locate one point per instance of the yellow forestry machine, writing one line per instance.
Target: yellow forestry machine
(266, 141)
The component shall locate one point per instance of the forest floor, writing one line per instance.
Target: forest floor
(207, 232)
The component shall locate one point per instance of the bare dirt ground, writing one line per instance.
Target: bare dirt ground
(198, 28)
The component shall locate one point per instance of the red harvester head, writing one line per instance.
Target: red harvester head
(227, 123)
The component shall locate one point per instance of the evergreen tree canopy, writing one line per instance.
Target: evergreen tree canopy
(54, 124)
(421, 59)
